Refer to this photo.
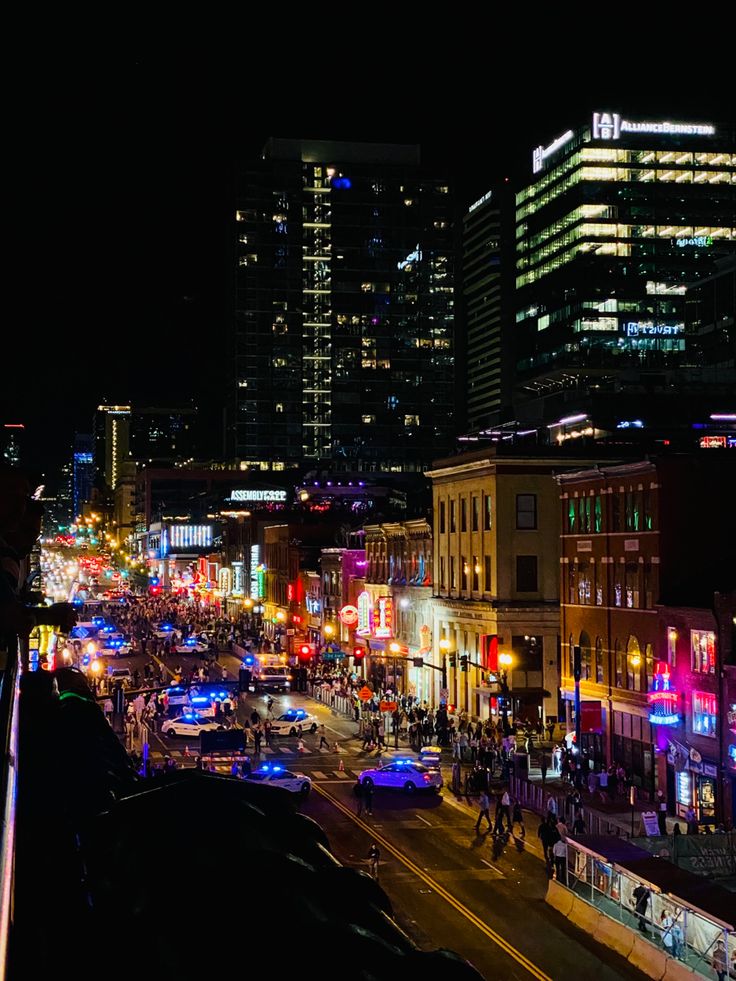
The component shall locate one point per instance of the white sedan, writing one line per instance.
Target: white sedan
(288, 723)
(277, 776)
(190, 725)
(166, 631)
(116, 646)
(407, 775)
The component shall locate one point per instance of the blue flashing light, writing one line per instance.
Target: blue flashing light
(278, 769)
(189, 717)
(77, 602)
(265, 768)
(166, 626)
(248, 659)
(201, 700)
(342, 183)
(223, 694)
(85, 659)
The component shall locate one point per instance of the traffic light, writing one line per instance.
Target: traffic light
(306, 651)
(452, 658)
(463, 662)
(358, 653)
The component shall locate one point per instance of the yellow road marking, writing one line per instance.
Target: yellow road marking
(440, 890)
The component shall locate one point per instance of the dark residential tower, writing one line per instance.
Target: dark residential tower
(344, 310)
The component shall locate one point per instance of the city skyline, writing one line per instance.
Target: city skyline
(142, 190)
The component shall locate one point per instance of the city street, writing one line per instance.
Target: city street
(448, 885)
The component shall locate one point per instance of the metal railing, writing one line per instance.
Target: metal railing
(9, 690)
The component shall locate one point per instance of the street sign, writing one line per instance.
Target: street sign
(365, 694)
(651, 825)
(388, 706)
(418, 662)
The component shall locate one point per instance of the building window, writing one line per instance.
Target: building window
(705, 714)
(476, 574)
(599, 661)
(647, 510)
(571, 515)
(526, 511)
(649, 666)
(463, 514)
(476, 510)
(442, 517)
(672, 646)
(619, 657)
(648, 585)
(442, 573)
(585, 586)
(616, 511)
(453, 577)
(633, 665)
(598, 514)
(632, 585)
(464, 574)
(526, 573)
(487, 573)
(703, 645)
(486, 512)
(453, 516)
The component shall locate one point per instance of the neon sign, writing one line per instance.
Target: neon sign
(349, 615)
(383, 617)
(610, 126)
(364, 613)
(663, 698)
(648, 329)
(702, 241)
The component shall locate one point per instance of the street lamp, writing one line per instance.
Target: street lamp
(505, 661)
(395, 648)
(444, 648)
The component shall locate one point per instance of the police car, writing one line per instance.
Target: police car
(190, 725)
(177, 695)
(164, 631)
(204, 702)
(407, 775)
(274, 775)
(194, 645)
(288, 723)
(116, 646)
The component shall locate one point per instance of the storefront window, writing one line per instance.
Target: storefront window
(703, 651)
(705, 714)
(706, 787)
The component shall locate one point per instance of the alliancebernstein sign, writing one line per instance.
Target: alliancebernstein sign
(610, 126)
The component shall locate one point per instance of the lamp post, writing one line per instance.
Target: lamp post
(395, 649)
(504, 661)
(444, 648)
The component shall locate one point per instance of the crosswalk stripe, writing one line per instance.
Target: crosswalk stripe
(342, 774)
(319, 774)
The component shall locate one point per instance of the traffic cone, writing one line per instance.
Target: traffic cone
(341, 766)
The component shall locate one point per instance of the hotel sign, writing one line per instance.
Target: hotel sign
(610, 126)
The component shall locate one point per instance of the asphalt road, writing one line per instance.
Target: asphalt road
(449, 886)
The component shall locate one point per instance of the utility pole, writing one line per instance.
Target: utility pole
(576, 671)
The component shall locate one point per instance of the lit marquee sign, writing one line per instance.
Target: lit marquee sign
(476, 204)
(663, 698)
(415, 256)
(365, 611)
(258, 496)
(349, 615)
(237, 578)
(383, 617)
(610, 126)
(645, 328)
(190, 536)
(540, 154)
(255, 560)
(697, 241)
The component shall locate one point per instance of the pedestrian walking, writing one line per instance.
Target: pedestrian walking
(359, 794)
(544, 768)
(323, 737)
(559, 851)
(661, 813)
(368, 795)
(484, 812)
(374, 856)
(518, 818)
(641, 899)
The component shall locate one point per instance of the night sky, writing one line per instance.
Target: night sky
(123, 189)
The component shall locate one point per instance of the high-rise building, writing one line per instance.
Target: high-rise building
(619, 217)
(13, 433)
(344, 296)
(162, 435)
(487, 309)
(112, 441)
(83, 471)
